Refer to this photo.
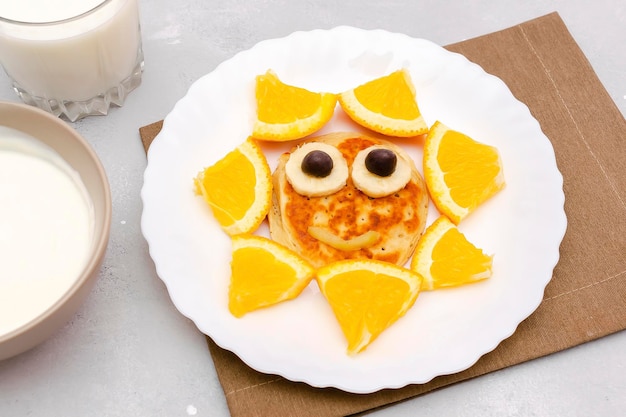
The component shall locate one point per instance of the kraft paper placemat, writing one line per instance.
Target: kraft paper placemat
(586, 299)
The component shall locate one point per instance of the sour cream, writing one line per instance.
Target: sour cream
(46, 228)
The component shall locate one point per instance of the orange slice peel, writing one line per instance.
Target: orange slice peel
(264, 273)
(460, 173)
(238, 188)
(445, 258)
(286, 112)
(367, 296)
(386, 105)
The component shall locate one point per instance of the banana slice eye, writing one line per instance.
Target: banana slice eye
(379, 171)
(316, 169)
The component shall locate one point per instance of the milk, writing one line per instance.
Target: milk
(43, 11)
(46, 228)
(69, 60)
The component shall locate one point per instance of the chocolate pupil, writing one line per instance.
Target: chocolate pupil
(317, 163)
(381, 162)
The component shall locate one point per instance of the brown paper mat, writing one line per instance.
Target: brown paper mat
(586, 299)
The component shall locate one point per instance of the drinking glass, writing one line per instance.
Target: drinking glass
(71, 57)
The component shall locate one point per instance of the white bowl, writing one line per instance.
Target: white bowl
(75, 150)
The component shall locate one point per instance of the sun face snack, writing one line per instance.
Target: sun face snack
(349, 223)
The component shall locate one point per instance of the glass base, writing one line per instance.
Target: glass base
(97, 106)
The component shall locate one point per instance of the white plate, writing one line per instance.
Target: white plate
(446, 331)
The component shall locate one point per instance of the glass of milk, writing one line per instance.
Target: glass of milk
(71, 57)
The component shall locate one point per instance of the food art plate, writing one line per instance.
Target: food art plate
(446, 331)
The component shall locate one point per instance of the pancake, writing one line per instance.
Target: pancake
(399, 218)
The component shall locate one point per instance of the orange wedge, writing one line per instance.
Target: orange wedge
(386, 105)
(445, 258)
(286, 112)
(460, 172)
(264, 273)
(367, 297)
(238, 188)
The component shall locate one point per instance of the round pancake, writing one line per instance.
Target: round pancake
(400, 218)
